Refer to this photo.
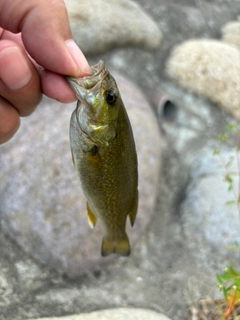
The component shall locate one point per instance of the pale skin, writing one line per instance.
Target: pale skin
(36, 51)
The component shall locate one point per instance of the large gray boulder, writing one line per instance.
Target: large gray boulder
(42, 205)
(100, 25)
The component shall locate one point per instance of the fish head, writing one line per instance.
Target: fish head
(99, 103)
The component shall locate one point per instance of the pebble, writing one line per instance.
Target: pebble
(211, 69)
(107, 24)
(42, 205)
(115, 314)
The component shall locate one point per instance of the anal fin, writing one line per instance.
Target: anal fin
(91, 217)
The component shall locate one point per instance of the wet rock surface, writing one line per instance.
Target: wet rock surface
(158, 274)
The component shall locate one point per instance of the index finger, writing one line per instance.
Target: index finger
(46, 34)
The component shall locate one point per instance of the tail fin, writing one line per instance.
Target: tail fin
(121, 246)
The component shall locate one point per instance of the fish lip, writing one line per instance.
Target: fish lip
(99, 72)
(86, 88)
(99, 67)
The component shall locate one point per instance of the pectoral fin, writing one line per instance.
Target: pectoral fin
(91, 217)
(133, 209)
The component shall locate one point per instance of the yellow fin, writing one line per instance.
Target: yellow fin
(91, 217)
(133, 209)
(121, 247)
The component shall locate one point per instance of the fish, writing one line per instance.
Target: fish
(104, 156)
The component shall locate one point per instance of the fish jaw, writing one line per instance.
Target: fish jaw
(82, 94)
(98, 72)
(98, 93)
(86, 88)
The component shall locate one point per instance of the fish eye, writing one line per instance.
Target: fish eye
(111, 96)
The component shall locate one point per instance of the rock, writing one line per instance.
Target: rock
(194, 19)
(6, 291)
(210, 219)
(66, 298)
(42, 206)
(209, 68)
(106, 24)
(189, 18)
(231, 33)
(115, 314)
(29, 275)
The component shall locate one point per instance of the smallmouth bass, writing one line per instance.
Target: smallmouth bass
(104, 156)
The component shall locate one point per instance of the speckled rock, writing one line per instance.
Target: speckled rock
(231, 33)
(29, 275)
(6, 289)
(107, 24)
(210, 219)
(210, 68)
(42, 206)
(115, 314)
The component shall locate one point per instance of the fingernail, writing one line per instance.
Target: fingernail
(14, 69)
(78, 57)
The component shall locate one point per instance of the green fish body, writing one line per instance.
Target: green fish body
(104, 156)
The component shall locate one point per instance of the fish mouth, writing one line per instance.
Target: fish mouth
(87, 87)
(98, 73)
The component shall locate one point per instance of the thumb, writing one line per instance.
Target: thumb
(45, 33)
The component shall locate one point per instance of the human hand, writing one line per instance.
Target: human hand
(36, 50)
